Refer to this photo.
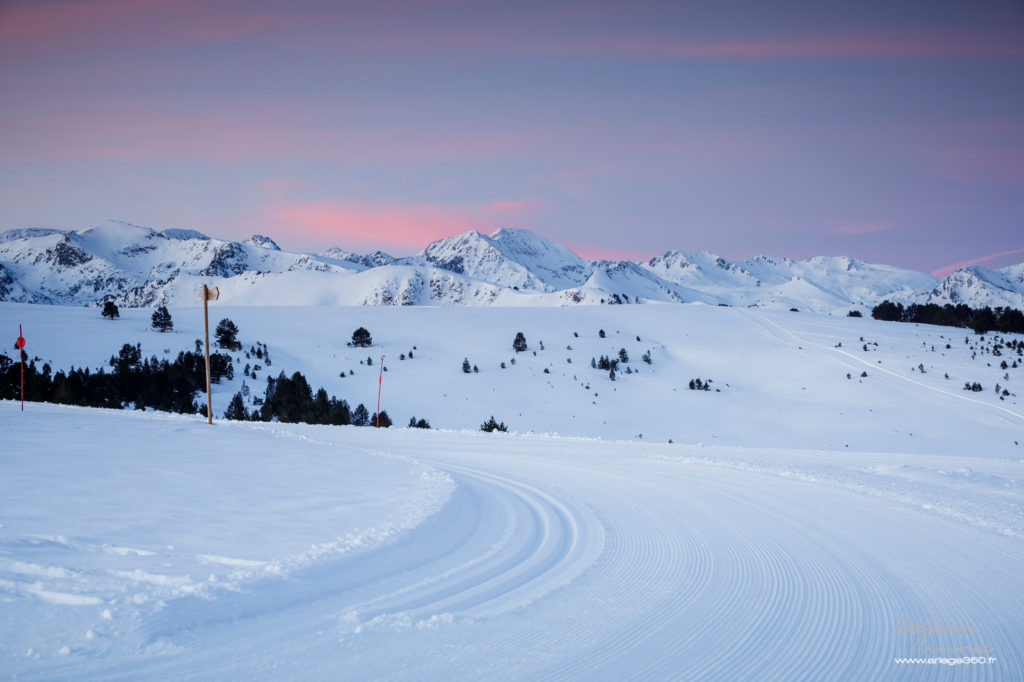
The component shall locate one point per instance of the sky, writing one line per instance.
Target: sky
(888, 131)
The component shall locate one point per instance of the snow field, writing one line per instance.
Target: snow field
(117, 514)
(795, 521)
(544, 557)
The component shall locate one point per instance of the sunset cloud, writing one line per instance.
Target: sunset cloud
(875, 45)
(403, 227)
(394, 122)
(242, 131)
(950, 269)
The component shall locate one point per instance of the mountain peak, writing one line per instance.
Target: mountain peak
(515, 258)
(263, 242)
(118, 228)
(184, 235)
(113, 235)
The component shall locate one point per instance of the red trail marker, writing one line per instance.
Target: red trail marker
(20, 345)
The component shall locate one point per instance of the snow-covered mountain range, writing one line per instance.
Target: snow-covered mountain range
(137, 266)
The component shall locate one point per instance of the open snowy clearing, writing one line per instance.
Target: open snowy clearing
(137, 546)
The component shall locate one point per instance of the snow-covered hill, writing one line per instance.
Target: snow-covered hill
(138, 266)
(803, 520)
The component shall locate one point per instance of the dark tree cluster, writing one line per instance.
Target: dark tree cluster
(361, 338)
(699, 385)
(291, 399)
(132, 380)
(492, 425)
(981, 320)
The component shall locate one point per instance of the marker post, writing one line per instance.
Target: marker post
(380, 384)
(208, 294)
(20, 345)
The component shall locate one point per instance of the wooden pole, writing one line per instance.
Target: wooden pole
(21, 359)
(206, 333)
(380, 384)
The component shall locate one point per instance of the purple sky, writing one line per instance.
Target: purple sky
(889, 131)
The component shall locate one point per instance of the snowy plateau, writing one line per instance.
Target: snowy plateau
(835, 507)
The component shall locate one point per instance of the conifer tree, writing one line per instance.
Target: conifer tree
(360, 417)
(361, 338)
(236, 409)
(492, 425)
(162, 319)
(227, 335)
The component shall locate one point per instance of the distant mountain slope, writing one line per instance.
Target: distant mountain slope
(139, 266)
(978, 287)
(511, 258)
(821, 283)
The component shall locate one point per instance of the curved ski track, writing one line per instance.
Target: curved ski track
(582, 561)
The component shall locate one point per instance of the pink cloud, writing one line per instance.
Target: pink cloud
(239, 131)
(866, 228)
(65, 26)
(880, 44)
(949, 269)
(54, 19)
(398, 226)
(351, 223)
(68, 26)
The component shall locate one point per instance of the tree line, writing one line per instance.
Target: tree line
(292, 400)
(133, 381)
(981, 320)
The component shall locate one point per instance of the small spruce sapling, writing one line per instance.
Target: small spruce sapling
(236, 409)
(361, 338)
(492, 425)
